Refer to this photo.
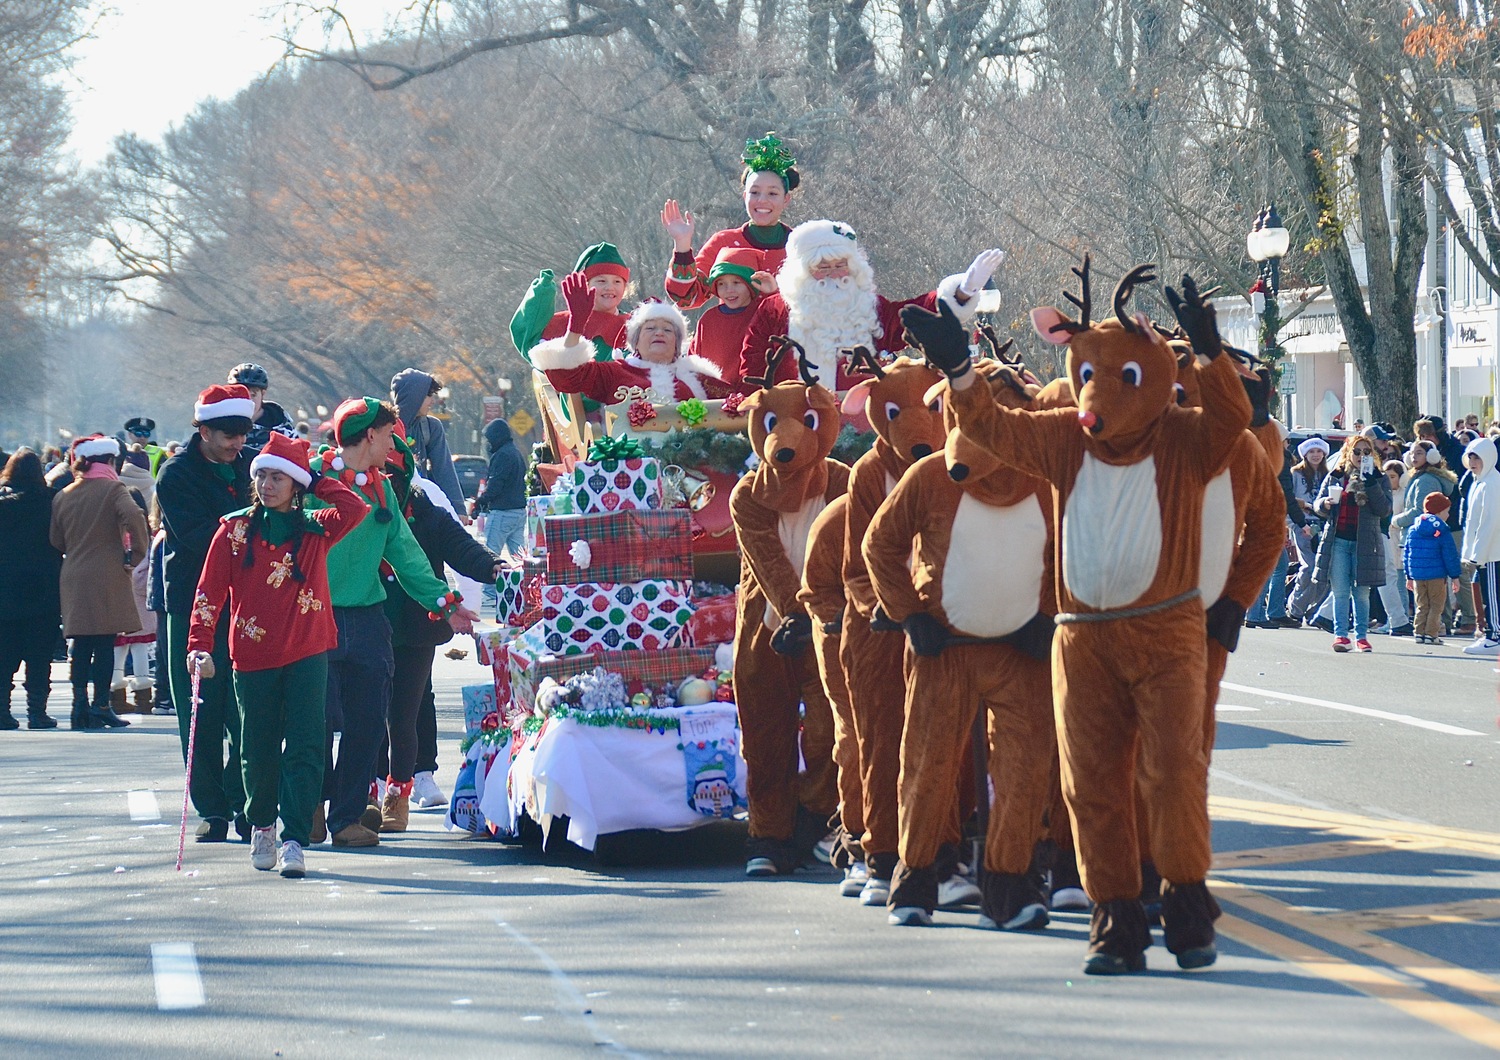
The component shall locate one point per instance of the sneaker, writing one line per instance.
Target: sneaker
(1483, 646)
(875, 891)
(756, 867)
(1071, 899)
(263, 848)
(1322, 623)
(1340, 643)
(1402, 631)
(1031, 917)
(292, 865)
(356, 835)
(823, 848)
(425, 794)
(957, 890)
(1436, 642)
(1363, 645)
(855, 877)
(1420, 638)
(909, 916)
(163, 708)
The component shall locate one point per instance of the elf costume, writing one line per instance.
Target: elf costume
(273, 568)
(720, 333)
(689, 279)
(360, 667)
(572, 370)
(534, 319)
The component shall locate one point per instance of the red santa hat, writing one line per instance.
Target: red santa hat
(94, 445)
(290, 456)
(656, 309)
(223, 401)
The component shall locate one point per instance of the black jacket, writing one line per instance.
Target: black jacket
(29, 565)
(505, 481)
(1294, 510)
(194, 493)
(272, 418)
(444, 541)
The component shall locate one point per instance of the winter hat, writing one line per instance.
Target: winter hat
(1435, 503)
(602, 259)
(655, 309)
(812, 241)
(224, 402)
(1315, 442)
(290, 456)
(94, 445)
(735, 261)
(353, 416)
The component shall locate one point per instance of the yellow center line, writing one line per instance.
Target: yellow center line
(1466, 911)
(1352, 825)
(1301, 852)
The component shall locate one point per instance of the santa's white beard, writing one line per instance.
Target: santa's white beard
(828, 315)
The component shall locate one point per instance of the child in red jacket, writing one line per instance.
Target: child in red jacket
(738, 285)
(270, 561)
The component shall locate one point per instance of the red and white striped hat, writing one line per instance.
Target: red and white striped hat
(95, 445)
(290, 456)
(224, 400)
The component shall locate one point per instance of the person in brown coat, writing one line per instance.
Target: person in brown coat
(101, 532)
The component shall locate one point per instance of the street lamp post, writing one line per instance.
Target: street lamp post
(1267, 244)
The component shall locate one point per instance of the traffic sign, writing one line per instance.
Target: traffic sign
(521, 422)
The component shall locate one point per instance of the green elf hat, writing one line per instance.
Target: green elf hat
(602, 259)
(353, 416)
(734, 261)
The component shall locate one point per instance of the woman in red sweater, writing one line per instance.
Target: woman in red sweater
(270, 561)
(769, 178)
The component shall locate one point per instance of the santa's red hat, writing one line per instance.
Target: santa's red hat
(94, 445)
(223, 401)
(813, 241)
(290, 456)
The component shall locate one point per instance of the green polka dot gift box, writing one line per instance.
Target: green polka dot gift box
(614, 616)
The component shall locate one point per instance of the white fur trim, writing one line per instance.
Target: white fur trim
(553, 355)
(97, 447)
(656, 310)
(813, 240)
(242, 407)
(947, 292)
(665, 377)
(295, 472)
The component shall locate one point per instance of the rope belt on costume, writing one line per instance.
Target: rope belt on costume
(1070, 617)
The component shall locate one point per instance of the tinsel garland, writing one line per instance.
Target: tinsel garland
(619, 719)
(489, 737)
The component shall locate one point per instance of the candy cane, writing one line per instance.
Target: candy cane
(187, 780)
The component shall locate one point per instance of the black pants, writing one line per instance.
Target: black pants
(93, 662)
(427, 732)
(413, 673)
(359, 696)
(29, 640)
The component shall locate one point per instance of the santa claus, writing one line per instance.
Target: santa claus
(826, 301)
(653, 365)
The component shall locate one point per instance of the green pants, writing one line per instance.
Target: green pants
(216, 790)
(281, 715)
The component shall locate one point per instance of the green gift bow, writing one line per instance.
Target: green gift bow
(693, 411)
(615, 449)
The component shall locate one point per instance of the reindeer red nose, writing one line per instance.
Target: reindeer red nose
(1089, 421)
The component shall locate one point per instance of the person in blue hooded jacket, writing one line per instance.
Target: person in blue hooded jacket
(413, 391)
(1432, 563)
(503, 499)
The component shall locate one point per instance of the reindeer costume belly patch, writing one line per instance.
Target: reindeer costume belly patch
(983, 597)
(1111, 533)
(1221, 534)
(794, 528)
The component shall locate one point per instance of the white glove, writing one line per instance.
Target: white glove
(980, 271)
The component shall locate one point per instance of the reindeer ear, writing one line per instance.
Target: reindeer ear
(752, 401)
(820, 397)
(1044, 319)
(854, 400)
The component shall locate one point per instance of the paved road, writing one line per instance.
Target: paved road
(1358, 863)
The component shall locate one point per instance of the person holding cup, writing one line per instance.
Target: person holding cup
(1355, 498)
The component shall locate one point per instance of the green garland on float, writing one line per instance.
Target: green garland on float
(727, 451)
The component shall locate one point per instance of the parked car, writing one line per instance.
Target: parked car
(471, 471)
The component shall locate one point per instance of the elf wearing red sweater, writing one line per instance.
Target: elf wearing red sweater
(601, 322)
(271, 562)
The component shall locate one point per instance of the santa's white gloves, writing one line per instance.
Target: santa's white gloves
(980, 271)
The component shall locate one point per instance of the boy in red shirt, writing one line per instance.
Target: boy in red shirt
(720, 334)
(271, 562)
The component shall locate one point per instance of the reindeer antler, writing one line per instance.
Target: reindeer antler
(776, 352)
(998, 349)
(808, 379)
(1138, 275)
(1084, 304)
(862, 355)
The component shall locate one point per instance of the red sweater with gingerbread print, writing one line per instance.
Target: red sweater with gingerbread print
(277, 619)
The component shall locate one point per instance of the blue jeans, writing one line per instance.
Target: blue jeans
(1271, 601)
(1342, 575)
(504, 529)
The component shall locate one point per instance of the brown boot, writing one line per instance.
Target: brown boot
(396, 812)
(355, 835)
(319, 824)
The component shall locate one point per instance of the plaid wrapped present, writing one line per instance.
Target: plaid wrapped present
(607, 616)
(610, 485)
(713, 621)
(530, 662)
(623, 546)
(488, 638)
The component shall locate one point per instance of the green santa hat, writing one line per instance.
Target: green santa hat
(602, 259)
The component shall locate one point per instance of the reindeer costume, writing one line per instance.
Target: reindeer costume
(1128, 470)
(792, 428)
(960, 554)
(906, 430)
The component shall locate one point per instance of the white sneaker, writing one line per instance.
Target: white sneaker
(425, 794)
(292, 865)
(957, 890)
(875, 892)
(909, 916)
(756, 867)
(263, 848)
(823, 848)
(854, 880)
(1071, 898)
(1483, 646)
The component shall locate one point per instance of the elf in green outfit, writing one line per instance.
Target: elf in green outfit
(360, 669)
(271, 563)
(608, 276)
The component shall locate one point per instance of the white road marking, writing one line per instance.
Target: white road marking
(569, 1001)
(142, 803)
(1267, 789)
(1233, 707)
(178, 985)
(1350, 708)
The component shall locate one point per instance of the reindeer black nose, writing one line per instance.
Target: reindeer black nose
(958, 472)
(921, 450)
(784, 456)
